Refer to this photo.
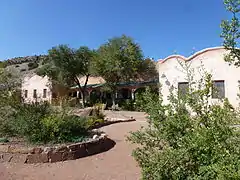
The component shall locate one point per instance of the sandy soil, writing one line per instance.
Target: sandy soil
(115, 164)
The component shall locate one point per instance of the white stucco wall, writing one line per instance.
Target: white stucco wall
(212, 60)
(39, 83)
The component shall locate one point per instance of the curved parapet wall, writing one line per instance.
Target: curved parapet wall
(176, 69)
(180, 57)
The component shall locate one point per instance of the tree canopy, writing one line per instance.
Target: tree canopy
(65, 65)
(230, 32)
(120, 59)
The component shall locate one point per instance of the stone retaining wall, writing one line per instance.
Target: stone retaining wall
(55, 154)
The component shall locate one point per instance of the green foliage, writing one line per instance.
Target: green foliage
(147, 70)
(96, 117)
(65, 65)
(93, 122)
(118, 61)
(39, 123)
(3, 64)
(141, 98)
(127, 104)
(32, 65)
(97, 111)
(188, 138)
(64, 129)
(230, 32)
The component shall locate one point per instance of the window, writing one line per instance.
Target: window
(182, 88)
(44, 93)
(34, 93)
(25, 93)
(218, 90)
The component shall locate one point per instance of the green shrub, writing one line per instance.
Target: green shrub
(39, 123)
(141, 99)
(97, 111)
(93, 122)
(128, 105)
(64, 129)
(96, 116)
(26, 120)
(188, 138)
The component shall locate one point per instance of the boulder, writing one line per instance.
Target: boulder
(37, 158)
(37, 150)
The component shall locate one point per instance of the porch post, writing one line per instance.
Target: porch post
(132, 93)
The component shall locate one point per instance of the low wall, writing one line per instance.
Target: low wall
(11, 153)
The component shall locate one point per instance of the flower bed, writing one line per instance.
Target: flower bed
(24, 154)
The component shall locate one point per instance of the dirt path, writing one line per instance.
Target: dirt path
(115, 164)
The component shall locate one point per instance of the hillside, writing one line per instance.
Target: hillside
(23, 65)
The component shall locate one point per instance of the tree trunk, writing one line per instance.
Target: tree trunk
(113, 99)
(82, 89)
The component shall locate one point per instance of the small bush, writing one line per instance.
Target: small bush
(97, 111)
(66, 129)
(93, 122)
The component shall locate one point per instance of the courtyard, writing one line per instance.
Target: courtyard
(115, 164)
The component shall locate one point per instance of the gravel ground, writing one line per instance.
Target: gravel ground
(115, 164)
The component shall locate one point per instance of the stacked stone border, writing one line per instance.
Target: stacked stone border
(11, 153)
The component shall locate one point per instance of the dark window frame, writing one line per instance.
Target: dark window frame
(44, 93)
(35, 93)
(216, 92)
(25, 93)
(181, 88)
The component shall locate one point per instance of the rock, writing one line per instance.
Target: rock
(37, 150)
(5, 157)
(55, 157)
(103, 135)
(46, 150)
(18, 149)
(68, 156)
(95, 136)
(74, 147)
(95, 130)
(62, 149)
(3, 148)
(37, 158)
(19, 158)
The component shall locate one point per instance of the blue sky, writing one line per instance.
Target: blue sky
(29, 27)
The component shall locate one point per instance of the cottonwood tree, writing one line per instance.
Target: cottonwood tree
(147, 70)
(118, 61)
(230, 32)
(65, 65)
